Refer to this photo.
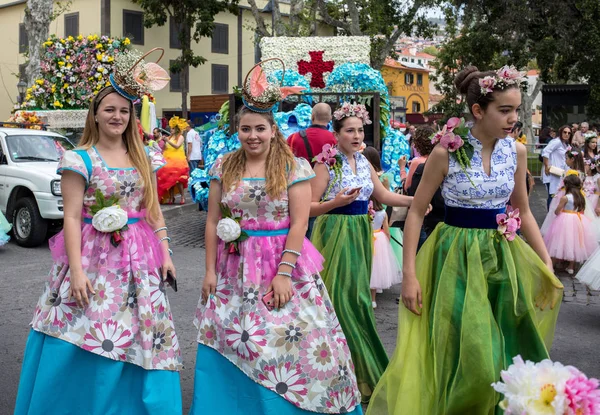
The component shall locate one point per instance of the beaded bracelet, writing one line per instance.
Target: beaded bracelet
(285, 274)
(287, 263)
(165, 238)
(170, 252)
(164, 228)
(291, 251)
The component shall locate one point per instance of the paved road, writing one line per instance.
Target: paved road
(22, 273)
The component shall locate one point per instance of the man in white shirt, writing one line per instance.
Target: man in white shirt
(194, 148)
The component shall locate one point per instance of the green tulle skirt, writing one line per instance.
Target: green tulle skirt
(346, 242)
(482, 304)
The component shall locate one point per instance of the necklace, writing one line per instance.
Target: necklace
(252, 174)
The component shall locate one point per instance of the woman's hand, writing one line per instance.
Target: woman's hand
(167, 265)
(209, 286)
(402, 162)
(81, 288)
(411, 294)
(343, 199)
(282, 290)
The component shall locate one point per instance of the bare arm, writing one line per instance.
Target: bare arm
(211, 240)
(189, 150)
(318, 185)
(520, 200)
(385, 196)
(178, 143)
(167, 264)
(73, 189)
(561, 205)
(433, 175)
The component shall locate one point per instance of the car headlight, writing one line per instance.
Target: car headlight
(55, 188)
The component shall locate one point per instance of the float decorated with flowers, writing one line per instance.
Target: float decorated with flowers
(73, 70)
(332, 69)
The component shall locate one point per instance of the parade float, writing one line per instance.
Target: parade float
(72, 71)
(330, 69)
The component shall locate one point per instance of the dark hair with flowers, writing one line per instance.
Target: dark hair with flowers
(577, 157)
(347, 110)
(479, 87)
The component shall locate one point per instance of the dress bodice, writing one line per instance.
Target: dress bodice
(490, 191)
(249, 199)
(362, 178)
(570, 203)
(126, 183)
(378, 218)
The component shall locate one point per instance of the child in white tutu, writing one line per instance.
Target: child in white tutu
(571, 236)
(385, 271)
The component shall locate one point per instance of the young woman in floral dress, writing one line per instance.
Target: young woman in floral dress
(343, 235)
(102, 338)
(476, 295)
(292, 359)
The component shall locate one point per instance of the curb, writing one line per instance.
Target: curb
(174, 211)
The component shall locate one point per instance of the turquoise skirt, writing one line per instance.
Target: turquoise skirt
(220, 387)
(60, 378)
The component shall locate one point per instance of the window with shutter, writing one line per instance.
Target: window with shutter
(23, 39)
(133, 26)
(72, 24)
(220, 79)
(220, 38)
(175, 83)
(174, 29)
(419, 79)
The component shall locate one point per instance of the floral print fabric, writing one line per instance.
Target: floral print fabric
(129, 317)
(298, 351)
(490, 191)
(361, 179)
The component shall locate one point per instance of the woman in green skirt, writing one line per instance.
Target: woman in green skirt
(477, 295)
(340, 197)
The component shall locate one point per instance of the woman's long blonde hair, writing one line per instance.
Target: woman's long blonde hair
(279, 165)
(133, 144)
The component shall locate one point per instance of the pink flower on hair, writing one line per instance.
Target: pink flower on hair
(509, 223)
(452, 123)
(487, 84)
(509, 74)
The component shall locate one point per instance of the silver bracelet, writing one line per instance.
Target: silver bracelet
(287, 263)
(164, 228)
(291, 251)
(170, 252)
(285, 274)
(165, 238)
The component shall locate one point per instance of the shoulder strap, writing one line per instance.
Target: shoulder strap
(307, 145)
(87, 161)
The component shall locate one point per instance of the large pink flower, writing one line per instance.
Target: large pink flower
(286, 378)
(108, 339)
(246, 336)
(487, 84)
(509, 223)
(509, 74)
(452, 123)
(583, 394)
(451, 141)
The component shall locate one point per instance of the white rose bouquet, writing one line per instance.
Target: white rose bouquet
(108, 217)
(229, 230)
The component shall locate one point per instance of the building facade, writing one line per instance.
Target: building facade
(411, 82)
(230, 53)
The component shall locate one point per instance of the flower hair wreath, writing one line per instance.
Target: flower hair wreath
(352, 110)
(504, 77)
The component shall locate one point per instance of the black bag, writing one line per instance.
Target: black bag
(307, 146)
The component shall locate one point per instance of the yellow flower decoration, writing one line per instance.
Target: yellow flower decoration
(65, 86)
(99, 46)
(39, 82)
(53, 88)
(180, 123)
(90, 38)
(57, 104)
(70, 38)
(99, 56)
(62, 41)
(79, 37)
(61, 63)
(126, 41)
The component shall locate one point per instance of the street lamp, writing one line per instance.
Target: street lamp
(21, 87)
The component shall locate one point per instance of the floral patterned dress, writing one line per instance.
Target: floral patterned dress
(129, 317)
(298, 351)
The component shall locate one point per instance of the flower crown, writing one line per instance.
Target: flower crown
(259, 95)
(504, 77)
(352, 110)
(589, 135)
(178, 122)
(133, 77)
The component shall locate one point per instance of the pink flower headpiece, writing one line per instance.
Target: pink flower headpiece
(352, 110)
(508, 75)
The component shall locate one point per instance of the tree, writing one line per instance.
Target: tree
(431, 50)
(301, 19)
(195, 19)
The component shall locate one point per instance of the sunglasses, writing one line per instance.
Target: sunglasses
(567, 132)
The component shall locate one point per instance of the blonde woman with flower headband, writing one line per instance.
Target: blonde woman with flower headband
(476, 295)
(102, 338)
(341, 190)
(269, 341)
(176, 172)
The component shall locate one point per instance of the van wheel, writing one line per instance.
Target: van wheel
(29, 228)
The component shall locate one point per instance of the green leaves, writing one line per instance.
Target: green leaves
(102, 202)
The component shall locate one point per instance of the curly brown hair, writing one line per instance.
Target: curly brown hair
(279, 165)
(422, 140)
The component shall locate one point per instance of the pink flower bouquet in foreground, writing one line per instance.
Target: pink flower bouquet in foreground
(547, 388)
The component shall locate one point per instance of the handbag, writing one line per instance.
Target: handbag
(556, 171)
(398, 213)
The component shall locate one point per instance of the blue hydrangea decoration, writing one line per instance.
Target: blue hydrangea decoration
(292, 121)
(394, 147)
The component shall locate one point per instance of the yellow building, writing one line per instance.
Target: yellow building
(407, 83)
(230, 53)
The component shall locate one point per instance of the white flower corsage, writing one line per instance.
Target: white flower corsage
(108, 217)
(229, 230)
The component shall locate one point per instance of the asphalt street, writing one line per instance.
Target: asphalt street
(23, 271)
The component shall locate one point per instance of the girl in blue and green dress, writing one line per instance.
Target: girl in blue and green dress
(343, 235)
(476, 295)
